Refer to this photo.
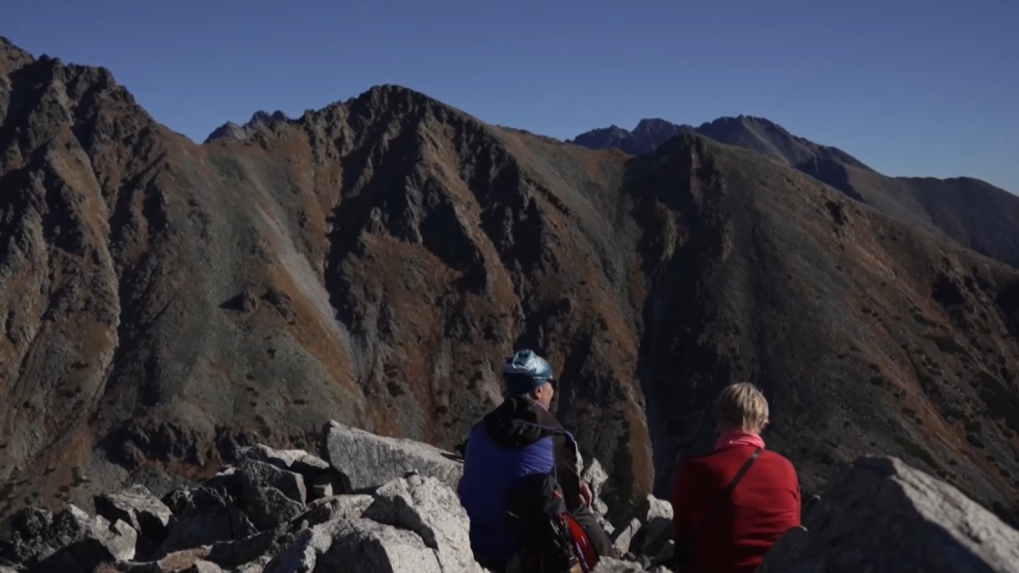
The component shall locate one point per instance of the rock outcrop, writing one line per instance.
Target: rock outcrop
(363, 458)
(137, 507)
(254, 516)
(880, 515)
(883, 515)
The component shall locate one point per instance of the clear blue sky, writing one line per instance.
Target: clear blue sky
(911, 87)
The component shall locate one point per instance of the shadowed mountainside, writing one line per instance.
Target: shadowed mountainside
(374, 261)
(971, 212)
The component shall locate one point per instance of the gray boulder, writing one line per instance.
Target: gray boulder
(119, 538)
(207, 517)
(30, 523)
(203, 567)
(229, 554)
(336, 507)
(179, 500)
(596, 476)
(883, 515)
(137, 507)
(366, 460)
(622, 538)
(254, 475)
(36, 534)
(29, 533)
(324, 486)
(227, 482)
(655, 516)
(432, 510)
(100, 543)
(298, 461)
(268, 507)
(362, 544)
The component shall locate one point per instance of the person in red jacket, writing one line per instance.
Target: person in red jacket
(728, 529)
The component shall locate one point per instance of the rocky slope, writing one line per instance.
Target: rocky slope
(973, 213)
(165, 303)
(293, 512)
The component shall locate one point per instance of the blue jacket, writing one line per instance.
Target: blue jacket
(518, 438)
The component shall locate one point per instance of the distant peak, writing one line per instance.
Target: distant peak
(12, 57)
(386, 95)
(652, 122)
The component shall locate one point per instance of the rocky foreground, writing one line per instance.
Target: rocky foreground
(381, 504)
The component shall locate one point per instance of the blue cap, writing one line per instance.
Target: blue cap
(525, 371)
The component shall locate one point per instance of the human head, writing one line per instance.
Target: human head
(528, 374)
(741, 407)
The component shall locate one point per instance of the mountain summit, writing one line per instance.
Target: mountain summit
(165, 303)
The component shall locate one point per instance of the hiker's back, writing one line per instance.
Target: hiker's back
(491, 471)
(765, 504)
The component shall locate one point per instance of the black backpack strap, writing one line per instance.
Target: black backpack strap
(684, 553)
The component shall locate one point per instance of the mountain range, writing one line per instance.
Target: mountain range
(164, 303)
(971, 212)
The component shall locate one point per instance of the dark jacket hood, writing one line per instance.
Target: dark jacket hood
(520, 421)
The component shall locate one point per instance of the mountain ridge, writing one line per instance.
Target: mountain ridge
(942, 206)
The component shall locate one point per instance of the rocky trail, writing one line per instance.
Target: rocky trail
(378, 504)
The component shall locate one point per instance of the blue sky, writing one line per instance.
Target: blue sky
(910, 87)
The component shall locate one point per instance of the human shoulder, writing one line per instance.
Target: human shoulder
(778, 463)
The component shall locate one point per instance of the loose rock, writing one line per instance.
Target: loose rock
(655, 516)
(238, 552)
(366, 460)
(203, 567)
(208, 517)
(596, 476)
(255, 475)
(268, 507)
(623, 537)
(137, 507)
(429, 508)
(373, 546)
(298, 461)
(118, 537)
(883, 515)
(336, 507)
(101, 543)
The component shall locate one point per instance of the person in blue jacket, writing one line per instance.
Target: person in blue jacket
(521, 437)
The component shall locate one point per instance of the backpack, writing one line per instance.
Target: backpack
(549, 539)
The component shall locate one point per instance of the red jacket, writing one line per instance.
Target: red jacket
(765, 503)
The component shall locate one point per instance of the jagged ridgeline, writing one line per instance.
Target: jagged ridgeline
(164, 303)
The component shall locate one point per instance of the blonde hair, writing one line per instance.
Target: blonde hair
(742, 405)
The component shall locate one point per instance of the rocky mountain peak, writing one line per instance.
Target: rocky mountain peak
(12, 57)
(646, 136)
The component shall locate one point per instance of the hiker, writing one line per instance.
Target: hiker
(731, 505)
(519, 438)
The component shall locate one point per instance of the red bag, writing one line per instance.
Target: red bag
(581, 543)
